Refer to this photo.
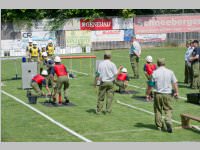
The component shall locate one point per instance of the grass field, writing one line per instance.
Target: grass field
(19, 123)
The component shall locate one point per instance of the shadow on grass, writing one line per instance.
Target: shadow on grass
(91, 111)
(139, 98)
(193, 130)
(183, 85)
(12, 79)
(149, 126)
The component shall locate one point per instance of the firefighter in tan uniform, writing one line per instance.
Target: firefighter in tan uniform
(164, 81)
(38, 81)
(122, 80)
(62, 80)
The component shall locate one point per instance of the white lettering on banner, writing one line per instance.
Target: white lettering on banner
(151, 37)
(96, 24)
(170, 22)
(167, 24)
(107, 35)
(41, 37)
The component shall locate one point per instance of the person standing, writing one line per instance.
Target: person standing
(188, 68)
(28, 48)
(107, 73)
(50, 48)
(164, 81)
(135, 52)
(194, 59)
(149, 67)
(62, 79)
(34, 51)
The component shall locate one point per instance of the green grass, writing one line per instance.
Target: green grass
(123, 124)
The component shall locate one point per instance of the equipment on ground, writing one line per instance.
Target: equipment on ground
(29, 70)
(185, 120)
(193, 98)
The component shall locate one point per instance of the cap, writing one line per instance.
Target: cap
(161, 61)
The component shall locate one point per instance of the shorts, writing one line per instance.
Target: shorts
(151, 83)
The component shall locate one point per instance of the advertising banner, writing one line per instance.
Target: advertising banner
(78, 38)
(10, 44)
(96, 24)
(107, 35)
(167, 24)
(151, 37)
(41, 25)
(72, 24)
(41, 37)
(121, 23)
(128, 34)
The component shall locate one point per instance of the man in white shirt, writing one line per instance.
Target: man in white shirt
(164, 80)
(135, 52)
(188, 68)
(107, 71)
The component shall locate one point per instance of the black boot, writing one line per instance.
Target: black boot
(66, 101)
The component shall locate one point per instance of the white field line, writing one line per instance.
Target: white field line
(48, 118)
(143, 110)
(184, 98)
(118, 131)
(80, 72)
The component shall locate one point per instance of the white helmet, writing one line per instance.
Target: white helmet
(34, 43)
(44, 54)
(43, 46)
(44, 72)
(57, 59)
(30, 40)
(149, 59)
(124, 70)
(50, 41)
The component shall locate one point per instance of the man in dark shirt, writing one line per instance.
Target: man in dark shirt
(194, 59)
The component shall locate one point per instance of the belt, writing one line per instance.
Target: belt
(107, 81)
(162, 93)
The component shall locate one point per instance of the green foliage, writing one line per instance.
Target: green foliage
(58, 16)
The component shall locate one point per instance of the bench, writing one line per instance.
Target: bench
(185, 120)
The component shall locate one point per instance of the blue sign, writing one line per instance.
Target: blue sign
(128, 33)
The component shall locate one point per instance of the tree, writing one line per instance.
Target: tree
(58, 16)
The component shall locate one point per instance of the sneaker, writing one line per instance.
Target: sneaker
(122, 92)
(53, 103)
(148, 98)
(159, 128)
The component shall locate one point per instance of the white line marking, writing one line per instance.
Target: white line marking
(48, 118)
(79, 72)
(143, 110)
(118, 131)
(184, 98)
